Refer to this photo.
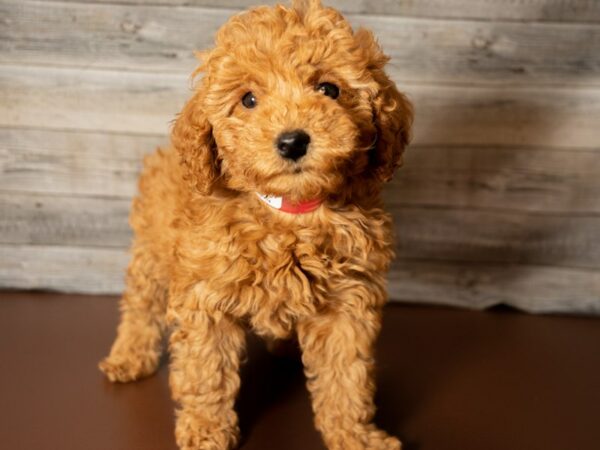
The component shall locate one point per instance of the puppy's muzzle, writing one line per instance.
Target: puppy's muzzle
(293, 144)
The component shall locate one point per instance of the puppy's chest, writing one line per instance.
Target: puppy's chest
(273, 276)
(300, 268)
(285, 265)
(285, 277)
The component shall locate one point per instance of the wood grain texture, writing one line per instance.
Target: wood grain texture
(63, 268)
(532, 288)
(497, 236)
(499, 200)
(423, 233)
(43, 219)
(519, 10)
(74, 163)
(132, 102)
(164, 38)
(510, 178)
(515, 179)
(547, 117)
(91, 100)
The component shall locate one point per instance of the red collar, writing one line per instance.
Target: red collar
(285, 205)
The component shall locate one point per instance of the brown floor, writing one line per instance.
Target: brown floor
(448, 380)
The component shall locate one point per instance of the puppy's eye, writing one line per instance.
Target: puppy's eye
(249, 100)
(329, 89)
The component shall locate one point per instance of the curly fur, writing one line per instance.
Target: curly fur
(209, 256)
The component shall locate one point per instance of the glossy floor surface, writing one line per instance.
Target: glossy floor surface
(448, 380)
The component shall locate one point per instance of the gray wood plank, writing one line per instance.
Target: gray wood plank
(164, 38)
(531, 288)
(74, 163)
(517, 179)
(423, 233)
(145, 103)
(91, 100)
(67, 269)
(508, 53)
(550, 117)
(523, 10)
(497, 236)
(42, 219)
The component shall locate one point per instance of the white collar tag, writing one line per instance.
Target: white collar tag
(272, 201)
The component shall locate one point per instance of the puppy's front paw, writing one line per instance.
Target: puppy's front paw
(128, 368)
(379, 440)
(362, 438)
(193, 432)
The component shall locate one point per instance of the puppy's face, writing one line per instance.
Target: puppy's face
(294, 102)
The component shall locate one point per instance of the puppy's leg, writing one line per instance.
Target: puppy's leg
(137, 349)
(338, 357)
(204, 380)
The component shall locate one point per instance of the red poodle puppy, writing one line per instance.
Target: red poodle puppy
(266, 212)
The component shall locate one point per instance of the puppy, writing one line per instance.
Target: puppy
(266, 212)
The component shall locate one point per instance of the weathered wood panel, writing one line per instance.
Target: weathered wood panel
(517, 179)
(523, 10)
(91, 100)
(63, 268)
(533, 288)
(498, 201)
(75, 163)
(77, 99)
(551, 117)
(497, 236)
(130, 37)
(423, 233)
(43, 219)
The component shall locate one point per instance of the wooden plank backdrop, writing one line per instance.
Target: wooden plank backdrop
(499, 200)
(520, 10)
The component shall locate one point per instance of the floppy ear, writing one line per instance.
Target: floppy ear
(193, 139)
(393, 116)
(392, 113)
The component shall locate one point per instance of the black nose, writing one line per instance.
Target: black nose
(293, 144)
